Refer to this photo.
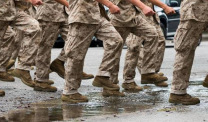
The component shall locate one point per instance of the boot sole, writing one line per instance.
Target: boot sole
(5, 80)
(54, 70)
(86, 78)
(183, 103)
(150, 82)
(96, 84)
(132, 90)
(44, 90)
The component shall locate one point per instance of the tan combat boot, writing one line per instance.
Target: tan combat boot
(2, 93)
(131, 87)
(50, 82)
(10, 64)
(205, 83)
(74, 98)
(152, 78)
(4, 76)
(161, 84)
(87, 76)
(58, 67)
(44, 86)
(160, 74)
(185, 99)
(24, 75)
(104, 82)
(114, 93)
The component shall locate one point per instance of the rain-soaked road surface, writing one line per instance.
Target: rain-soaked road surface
(21, 103)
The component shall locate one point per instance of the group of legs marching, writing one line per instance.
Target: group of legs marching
(28, 33)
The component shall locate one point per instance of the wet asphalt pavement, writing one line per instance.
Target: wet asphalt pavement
(21, 103)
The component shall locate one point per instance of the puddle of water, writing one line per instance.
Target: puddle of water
(56, 110)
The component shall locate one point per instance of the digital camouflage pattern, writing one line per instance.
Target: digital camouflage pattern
(79, 39)
(194, 21)
(84, 11)
(7, 10)
(51, 11)
(126, 17)
(150, 44)
(6, 46)
(160, 50)
(52, 25)
(194, 10)
(50, 32)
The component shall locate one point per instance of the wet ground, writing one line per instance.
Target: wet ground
(21, 103)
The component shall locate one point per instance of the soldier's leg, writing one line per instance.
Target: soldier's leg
(50, 31)
(160, 48)
(109, 67)
(31, 31)
(186, 41)
(58, 64)
(150, 40)
(17, 45)
(79, 39)
(6, 47)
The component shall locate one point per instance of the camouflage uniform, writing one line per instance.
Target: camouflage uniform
(131, 21)
(194, 20)
(85, 21)
(53, 21)
(6, 48)
(154, 21)
(12, 13)
(19, 35)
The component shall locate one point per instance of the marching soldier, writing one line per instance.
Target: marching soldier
(194, 20)
(85, 21)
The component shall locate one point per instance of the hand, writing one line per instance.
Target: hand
(114, 9)
(36, 2)
(169, 10)
(148, 11)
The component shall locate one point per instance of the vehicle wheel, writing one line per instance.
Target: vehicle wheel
(163, 29)
(100, 43)
(93, 43)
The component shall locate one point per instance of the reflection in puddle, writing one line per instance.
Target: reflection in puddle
(56, 110)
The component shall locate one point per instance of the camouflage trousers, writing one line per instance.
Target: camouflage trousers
(50, 32)
(160, 50)
(7, 37)
(30, 28)
(150, 35)
(186, 41)
(17, 44)
(79, 39)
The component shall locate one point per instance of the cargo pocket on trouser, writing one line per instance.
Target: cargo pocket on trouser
(180, 39)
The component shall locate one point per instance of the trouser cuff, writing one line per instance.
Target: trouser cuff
(129, 81)
(147, 71)
(178, 91)
(19, 66)
(103, 73)
(69, 92)
(62, 58)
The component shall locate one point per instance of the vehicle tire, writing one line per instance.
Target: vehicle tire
(93, 43)
(59, 43)
(100, 43)
(163, 29)
(200, 39)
